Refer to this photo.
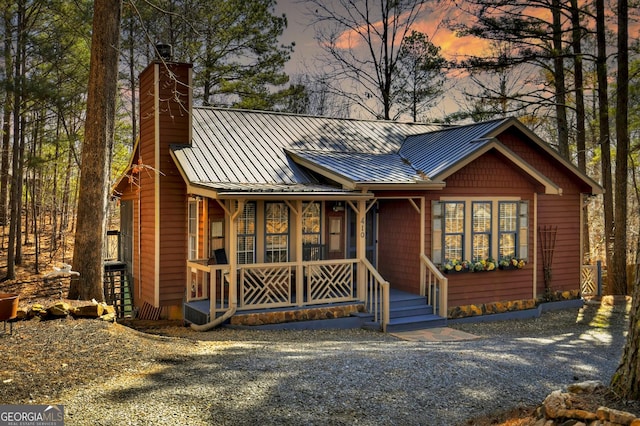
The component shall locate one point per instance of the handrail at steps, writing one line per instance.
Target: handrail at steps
(377, 295)
(436, 285)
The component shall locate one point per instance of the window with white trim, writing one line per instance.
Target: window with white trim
(246, 225)
(466, 230)
(276, 232)
(481, 230)
(453, 230)
(192, 229)
(311, 242)
(508, 229)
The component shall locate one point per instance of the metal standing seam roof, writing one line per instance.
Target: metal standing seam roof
(247, 149)
(435, 152)
(364, 167)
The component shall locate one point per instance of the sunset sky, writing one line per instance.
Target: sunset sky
(301, 32)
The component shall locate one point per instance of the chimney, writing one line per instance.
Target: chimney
(165, 120)
(164, 51)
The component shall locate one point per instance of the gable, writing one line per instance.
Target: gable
(493, 173)
(551, 164)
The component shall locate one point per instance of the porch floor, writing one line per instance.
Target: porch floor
(406, 308)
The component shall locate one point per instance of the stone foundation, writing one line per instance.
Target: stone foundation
(309, 314)
(507, 306)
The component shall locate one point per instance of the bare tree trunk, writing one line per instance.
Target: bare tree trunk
(603, 121)
(626, 380)
(559, 82)
(16, 178)
(20, 187)
(6, 120)
(54, 196)
(581, 133)
(622, 154)
(96, 151)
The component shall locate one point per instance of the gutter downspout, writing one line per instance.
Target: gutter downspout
(216, 322)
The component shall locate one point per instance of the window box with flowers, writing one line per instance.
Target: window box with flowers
(511, 263)
(455, 266)
(483, 265)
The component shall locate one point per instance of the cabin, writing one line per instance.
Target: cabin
(254, 217)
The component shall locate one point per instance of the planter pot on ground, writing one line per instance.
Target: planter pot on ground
(8, 306)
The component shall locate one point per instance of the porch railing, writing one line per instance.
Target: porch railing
(208, 280)
(376, 295)
(330, 281)
(591, 280)
(274, 285)
(434, 285)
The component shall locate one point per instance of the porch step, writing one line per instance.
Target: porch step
(417, 322)
(410, 312)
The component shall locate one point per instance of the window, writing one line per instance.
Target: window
(466, 230)
(246, 223)
(453, 231)
(481, 230)
(216, 235)
(276, 232)
(192, 230)
(508, 228)
(311, 247)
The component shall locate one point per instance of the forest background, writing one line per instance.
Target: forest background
(567, 69)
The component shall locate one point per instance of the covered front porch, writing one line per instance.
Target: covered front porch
(313, 291)
(284, 286)
(304, 260)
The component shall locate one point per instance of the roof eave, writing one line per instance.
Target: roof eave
(294, 195)
(390, 186)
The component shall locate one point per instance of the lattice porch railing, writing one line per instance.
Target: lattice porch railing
(330, 282)
(590, 276)
(265, 286)
(275, 285)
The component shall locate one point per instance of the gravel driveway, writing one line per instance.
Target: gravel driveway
(347, 377)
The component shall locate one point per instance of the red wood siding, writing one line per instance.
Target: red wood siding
(174, 126)
(399, 244)
(491, 175)
(146, 259)
(561, 211)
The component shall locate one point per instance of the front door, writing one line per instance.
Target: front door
(371, 234)
(335, 233)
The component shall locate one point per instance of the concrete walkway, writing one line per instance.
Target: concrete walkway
(437, 334)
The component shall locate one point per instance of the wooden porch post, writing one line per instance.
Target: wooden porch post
(423, 267)
(361, 246)
(534, 256)
(233, 252)
(298, 211)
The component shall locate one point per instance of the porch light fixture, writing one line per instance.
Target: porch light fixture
(338, 206)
